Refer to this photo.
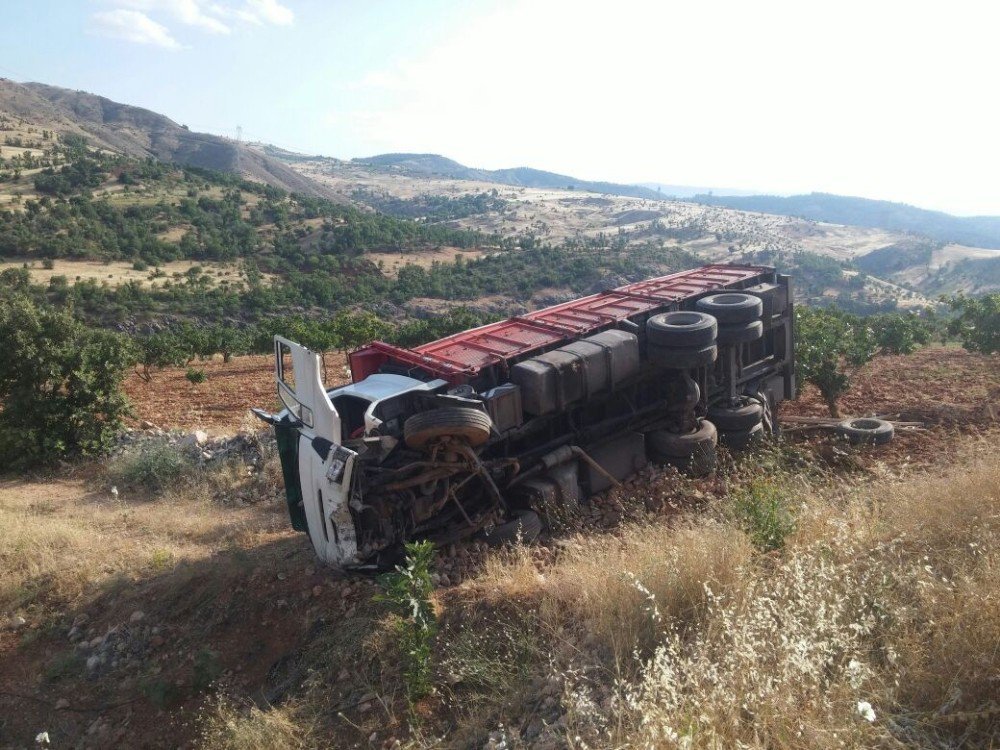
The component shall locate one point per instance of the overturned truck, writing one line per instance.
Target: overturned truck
(498, 429)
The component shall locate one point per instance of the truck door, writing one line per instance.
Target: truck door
(326, 468)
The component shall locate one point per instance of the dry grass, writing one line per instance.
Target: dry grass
(230, 726)
(887, 595)
(63, 538)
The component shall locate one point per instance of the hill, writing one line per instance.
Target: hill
(976, 231)
(440, 166)
(139, 132)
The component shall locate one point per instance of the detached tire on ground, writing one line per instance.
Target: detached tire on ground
(684, 329)
(740, 334)
(732, 308)
(693, 452)
(736, 418)
(738, 440)
(867, 430)
(675, 358)
(471, 425)
(525, 526)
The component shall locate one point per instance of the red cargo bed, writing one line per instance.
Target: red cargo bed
(462, 356)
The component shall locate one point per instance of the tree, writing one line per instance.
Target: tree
(897, 333)
(60, 384)
(159, 350)
(977, 323)
(830, 346)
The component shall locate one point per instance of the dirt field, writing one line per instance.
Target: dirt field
(220, 405)
(119, 272)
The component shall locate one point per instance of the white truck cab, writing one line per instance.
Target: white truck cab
(312, 431)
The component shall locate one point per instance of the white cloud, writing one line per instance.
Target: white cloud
(187, 12)
(133, 26)
(267, 12)
(131, 19)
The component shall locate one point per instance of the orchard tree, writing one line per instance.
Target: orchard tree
(977, 323)
(900, 333)
(830, 346)
(60, 384)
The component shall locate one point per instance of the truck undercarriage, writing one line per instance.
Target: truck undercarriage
(500, 429)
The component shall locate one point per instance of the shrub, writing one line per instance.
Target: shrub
(408, 591)
(60, 384)
(977, 324)
(195, 376)
(153, 468)
(762, 509)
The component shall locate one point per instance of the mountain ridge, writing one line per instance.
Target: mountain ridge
(136, 131)
(974, 231)
(438, 165)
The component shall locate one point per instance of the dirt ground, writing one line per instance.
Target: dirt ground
(221, 404)
(119, 272)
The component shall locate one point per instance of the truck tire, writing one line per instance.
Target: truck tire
(693, 452)
(736, 418)
(676, 358)
(740, 334)
(471, 425)
(525, 526)
(738, 440)
(685, 329)
(867, 430)
(732, 308)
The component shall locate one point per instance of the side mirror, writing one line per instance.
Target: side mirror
(273, 419)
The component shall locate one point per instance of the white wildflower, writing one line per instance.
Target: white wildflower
(42, 738)
(865, 711)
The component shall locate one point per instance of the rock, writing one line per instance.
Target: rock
(17, 622)
(95, 642)
(317, 591)
(62, 704)
(156, 641)
(80, 620)
(74, 634)
(146, 425)
(194, 439)
(136, 616)
(93, 662)
(310, 570)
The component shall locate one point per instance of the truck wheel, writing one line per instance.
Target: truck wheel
(525, 526)
(693, 452)
(731, 308)
(471, 425)
(683, 329)
(675, 358)
(737, 440)
(736, 418)
(867, 430)
(740, 334)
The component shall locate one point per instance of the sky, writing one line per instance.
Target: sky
(881, 99)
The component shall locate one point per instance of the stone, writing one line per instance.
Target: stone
(194, 439)
(62, 704)
(17, 622)
(136, 616)
(93, 662)
(80, 620)
(317, 591)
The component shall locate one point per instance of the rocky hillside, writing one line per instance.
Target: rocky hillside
(142, 133)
